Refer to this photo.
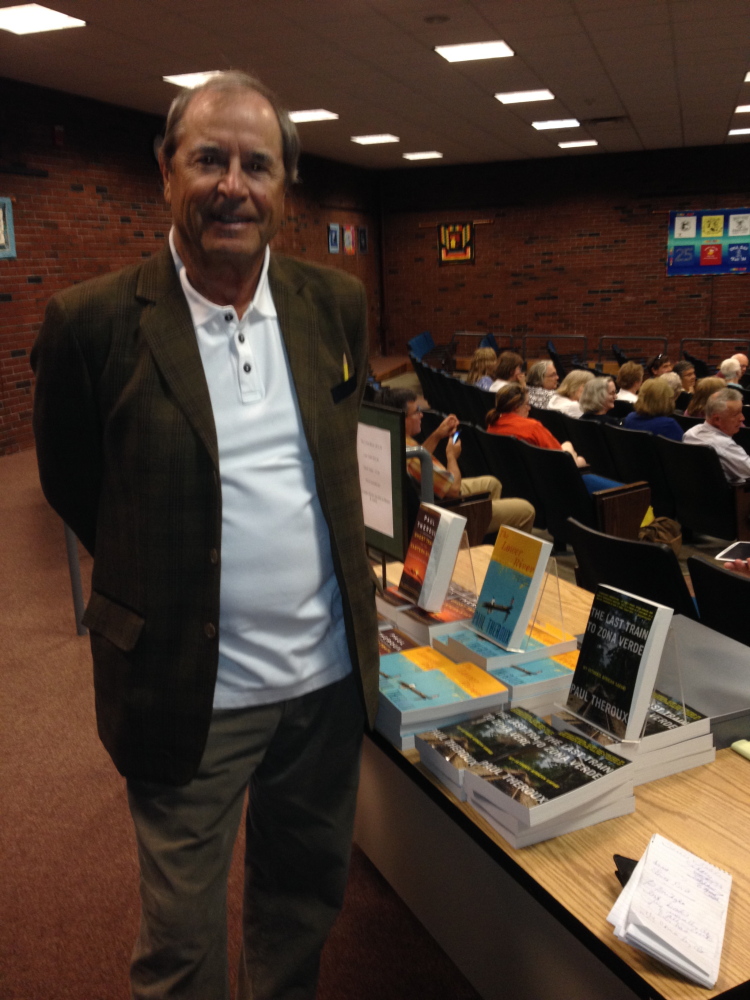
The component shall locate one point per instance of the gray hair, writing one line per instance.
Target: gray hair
(594, 395)
(573, 381)
(537, 373)
(718, 401)
(674, 381)
(730, 369)
(228, 81)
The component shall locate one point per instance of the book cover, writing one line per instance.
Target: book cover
(618, 662)
(541, 641)
(393, 640)
(431, 556)
(514, 578)
(421, 686)
(538, 784)
(451, 750)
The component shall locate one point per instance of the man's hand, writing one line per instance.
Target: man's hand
(741, 566)
(449, 426)
(453, 450)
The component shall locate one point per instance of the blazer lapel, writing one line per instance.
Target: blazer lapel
(168, 328)
(301, 333)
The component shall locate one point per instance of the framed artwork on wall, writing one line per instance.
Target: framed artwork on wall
(333, 237)
(456, 243)
(7, 233)
(362, 239)
(350, 247)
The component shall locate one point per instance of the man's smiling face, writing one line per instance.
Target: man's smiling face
(226, 182)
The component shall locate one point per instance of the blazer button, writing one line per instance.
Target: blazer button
(213, 555)
(210, 630)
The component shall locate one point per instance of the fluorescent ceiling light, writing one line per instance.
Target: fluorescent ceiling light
(523, 96)
(191, 80)
(32, 17)
(372, 140)
(578, 142)
(314, 115)
(742, 108)
(739, 131)
(474, 50)
(557, 123)
(431, 155)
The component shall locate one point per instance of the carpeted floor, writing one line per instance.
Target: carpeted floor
(68, 887)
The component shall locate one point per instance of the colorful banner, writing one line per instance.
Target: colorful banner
(714, 241)
(456, 243)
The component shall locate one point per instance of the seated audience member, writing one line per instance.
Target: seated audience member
(569, 392)
(742, 358)
(448, 482)
(731, 371)
(658, 365)
(674, 382)
(482, 364)
(723, 420)
(509, 368)
(542, 380)
(629, 379)
(511, 416)
(597, 399)
(653, 410)
(703, 389)
(686, 371)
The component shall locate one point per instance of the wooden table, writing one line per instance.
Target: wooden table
(526, 924)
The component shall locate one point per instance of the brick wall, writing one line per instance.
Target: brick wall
(570, 247)
(86, 198)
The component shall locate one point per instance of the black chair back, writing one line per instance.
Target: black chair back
(635, 457)
(501, 456)
(723, 598)
(587, 437)
(647, 569)
(704, 501)
(471, 461)
(686, 422)
(557, 482)
(701, 368)
(553, 420)
(622, 408)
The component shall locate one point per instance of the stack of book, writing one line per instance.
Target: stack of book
(528, 781)
(420, 688)
(535, 661)
(675, 738)
(612, 697)
(426, 626)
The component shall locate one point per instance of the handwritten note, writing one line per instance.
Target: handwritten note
(674, 908)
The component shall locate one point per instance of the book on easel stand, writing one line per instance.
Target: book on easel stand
(619, 698)
(457, 607)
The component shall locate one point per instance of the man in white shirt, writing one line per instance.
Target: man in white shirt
(196, 420)
(723, 419)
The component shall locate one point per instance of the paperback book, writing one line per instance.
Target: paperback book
(420, 687)
(450, 750)
(425, 626)
(392, 640)
(618, 662)
(511, 586)
(538, 784)
(431, 556)
(607, 807)
(540, 641)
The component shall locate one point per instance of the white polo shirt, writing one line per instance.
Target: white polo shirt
(281, 627)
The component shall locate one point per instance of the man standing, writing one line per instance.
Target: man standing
(196, 425)
(723, 420)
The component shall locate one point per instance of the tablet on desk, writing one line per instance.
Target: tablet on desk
(737, 550)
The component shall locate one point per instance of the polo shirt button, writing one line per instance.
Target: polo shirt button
(213, 555)
(209, 630)
(241, 338)
(228, 317)
(247, 367)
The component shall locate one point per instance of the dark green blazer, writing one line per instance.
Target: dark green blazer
(128, 457)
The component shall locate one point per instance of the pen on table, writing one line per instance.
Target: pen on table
(345, 368)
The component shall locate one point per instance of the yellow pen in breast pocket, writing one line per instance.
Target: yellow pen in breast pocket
(345, 368)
